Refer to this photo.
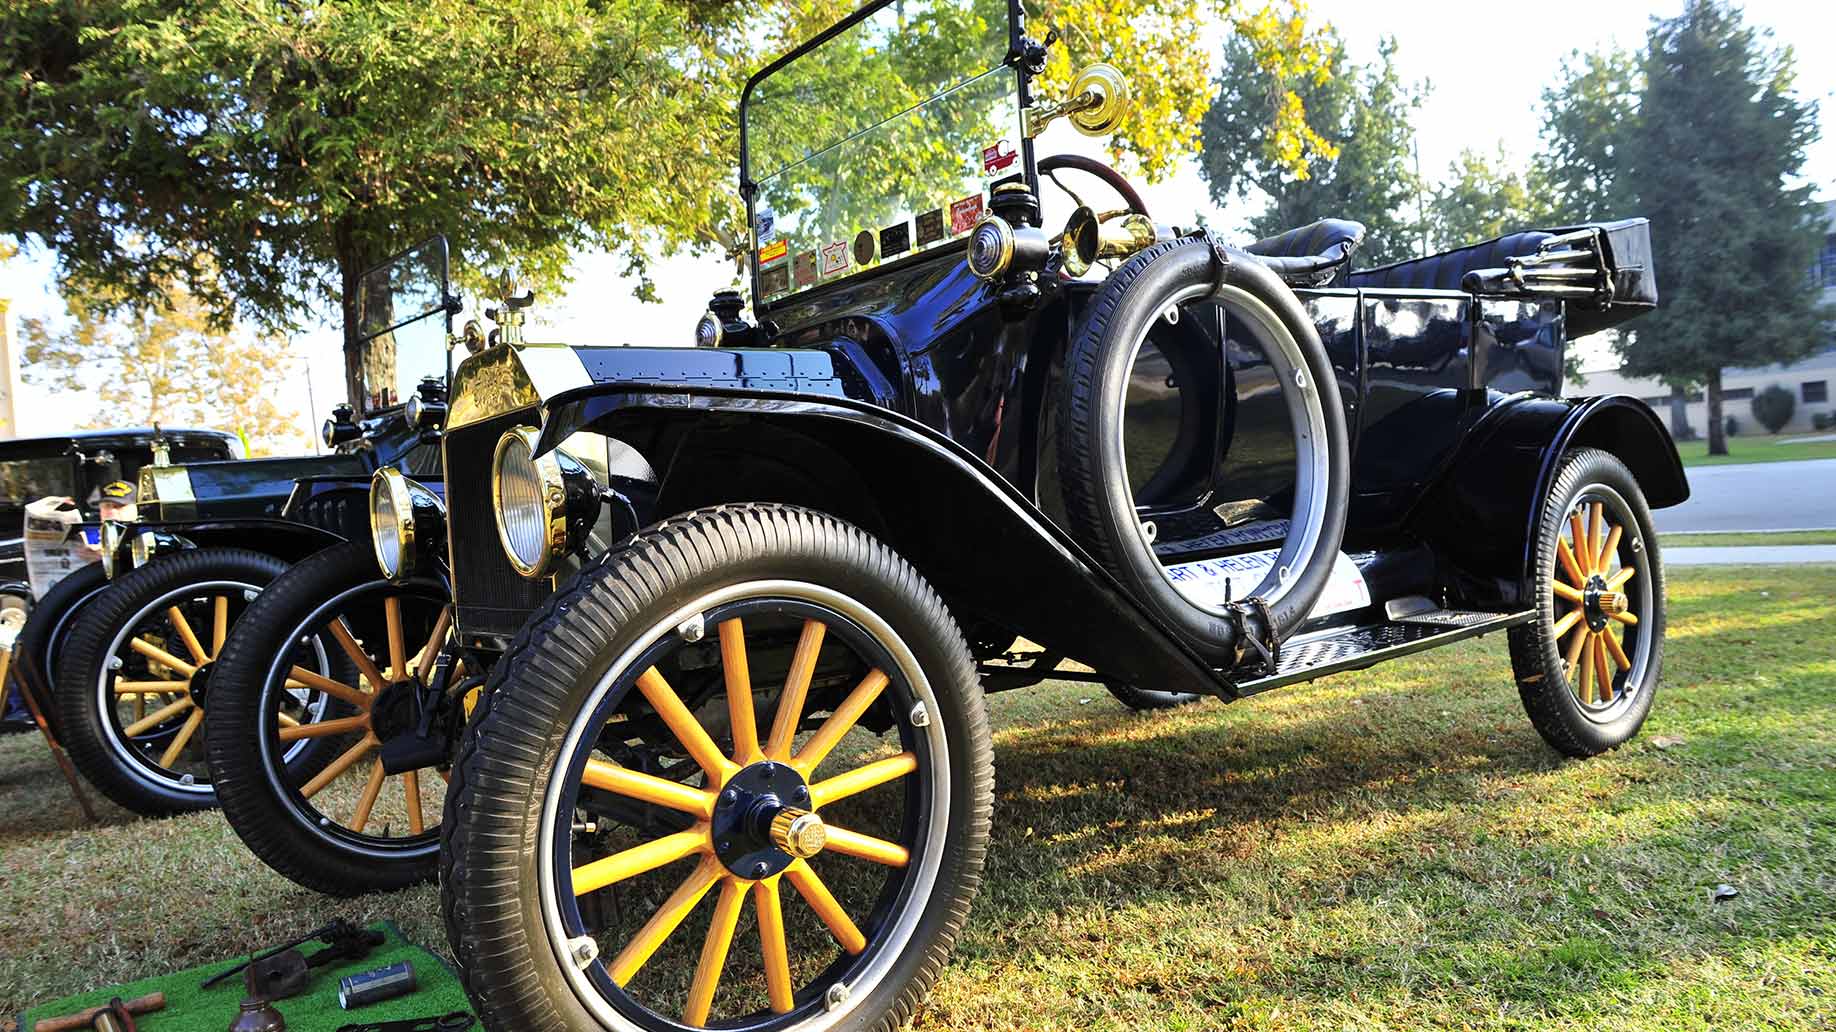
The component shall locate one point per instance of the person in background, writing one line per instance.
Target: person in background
(118, 501)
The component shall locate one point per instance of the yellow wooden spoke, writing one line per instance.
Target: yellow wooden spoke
(1618, 580)
(182, 739)
(1596, 532)
(159, 655)
(1572, 568)
(365, 665)
(324, 728)
(436, 640)
(219, 623)
(1586, 686)
(667, 918)
(840, 722)
(739, 693)
(1563, 625)
(156, 718)
(398, 641)
(1582, 633)
(286, 721)
(339, 766)
(648, 788)
(687, 729)
(630, 863)
(1629, 619)
(411, 784)
(1578, 531)
(336, 689)
(714, 952)
(1616, 650)
(866, 847)
(803, 877)
(796, 686)
(176, 617)
(1607, 550)
(149, 687)
(1566, 593)
(860, 779)
(140, 703)
(771, 941)
(1603, 677)
(368, 800)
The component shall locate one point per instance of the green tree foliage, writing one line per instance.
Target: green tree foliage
(160, 358)
(1486, 196)
(1363, 170)
(1773, 407)
(1588, 117)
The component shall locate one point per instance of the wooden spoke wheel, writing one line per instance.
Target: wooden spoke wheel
(1588, 665)
(139, 672)
(367, 819)
(763, 800)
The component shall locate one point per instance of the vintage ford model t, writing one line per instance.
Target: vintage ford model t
(740, 602)
(135, 669)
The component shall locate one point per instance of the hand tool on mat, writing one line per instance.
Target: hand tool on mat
(116, 1016)
(343, 941)
(457, 1021)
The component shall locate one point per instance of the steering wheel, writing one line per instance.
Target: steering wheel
(1091, 166)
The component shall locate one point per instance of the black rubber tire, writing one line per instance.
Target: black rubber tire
(493, 918)
(260, 817)
(41, 640)
(1099, 506)
(1536, 659)
(86, 653)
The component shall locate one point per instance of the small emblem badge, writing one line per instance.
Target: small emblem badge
(834, 258)
(895, 239)
(773, 251)
(997, 156)
(964, 213)
(764, 225)
(864, 247)
(930, 226)
(773, 282)
(803, 269)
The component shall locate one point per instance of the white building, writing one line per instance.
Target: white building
(1809, 380)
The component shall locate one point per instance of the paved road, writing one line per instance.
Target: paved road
(1758, 555)
(1798, 495)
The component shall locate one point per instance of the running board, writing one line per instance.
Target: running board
(1311, 656)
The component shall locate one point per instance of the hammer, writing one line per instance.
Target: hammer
(111, 1018)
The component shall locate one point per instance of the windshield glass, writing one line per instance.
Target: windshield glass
(881, 142)
(400, 309)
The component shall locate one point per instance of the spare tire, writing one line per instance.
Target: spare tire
(1100, 507)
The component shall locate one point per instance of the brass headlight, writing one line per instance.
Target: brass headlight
(112, 535)
(544, 506)
(407, 524)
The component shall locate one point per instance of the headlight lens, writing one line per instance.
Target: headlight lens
(991, 247)
(141, 548)
(708, 332)
(111, 546)
(529, 496)
(407, 522)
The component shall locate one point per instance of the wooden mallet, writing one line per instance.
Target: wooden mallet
(87, 1019)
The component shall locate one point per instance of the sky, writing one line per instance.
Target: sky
(1486, 67)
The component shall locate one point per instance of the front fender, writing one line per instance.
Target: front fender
(986, 548)
(283, 539)
(1483, 514)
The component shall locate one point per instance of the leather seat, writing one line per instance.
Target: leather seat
(1445, 270)
(1313, 255)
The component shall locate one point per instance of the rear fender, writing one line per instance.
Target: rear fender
(986, 548)
(1483, 514)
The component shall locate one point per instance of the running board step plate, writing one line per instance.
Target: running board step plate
(1311, 656)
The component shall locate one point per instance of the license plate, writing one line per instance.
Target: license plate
(1214, 582)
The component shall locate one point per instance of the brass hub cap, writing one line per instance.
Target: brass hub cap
(1591, 605)
(799, 833)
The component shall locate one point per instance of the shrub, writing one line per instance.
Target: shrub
(1731, 426)
(1822, 420)
(1772, 408)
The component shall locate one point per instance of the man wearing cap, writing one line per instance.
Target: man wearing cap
(118, 501)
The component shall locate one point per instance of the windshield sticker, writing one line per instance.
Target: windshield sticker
(930, 226)
(773, 282)
(764, 225)
(996, 157)
(963, 214)
(864, 247)
(773, 251)
(803, 269)
(895, 239)
(834, 258)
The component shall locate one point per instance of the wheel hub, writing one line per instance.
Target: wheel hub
(198, 684)
(762, 821)
(395, 711)
(1599, 602)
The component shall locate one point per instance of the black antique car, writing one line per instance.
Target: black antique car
(75, 466)
(135, 670)
(741, 653)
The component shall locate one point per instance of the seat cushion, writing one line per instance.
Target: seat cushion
(1313, 255)
(1444, 271)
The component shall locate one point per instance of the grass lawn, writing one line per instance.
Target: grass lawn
(1746, 538)
(1391, 850)
(1759, 447)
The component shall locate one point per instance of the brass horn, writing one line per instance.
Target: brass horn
(1089, 237)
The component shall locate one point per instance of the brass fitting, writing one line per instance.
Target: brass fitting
(799, 833)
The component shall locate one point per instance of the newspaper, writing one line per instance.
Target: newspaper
(57, 543)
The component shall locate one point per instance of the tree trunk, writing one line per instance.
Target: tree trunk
(1717, 431)
(1679, 413)
(350, 270)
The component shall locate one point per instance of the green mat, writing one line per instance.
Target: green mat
(190, 1009)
